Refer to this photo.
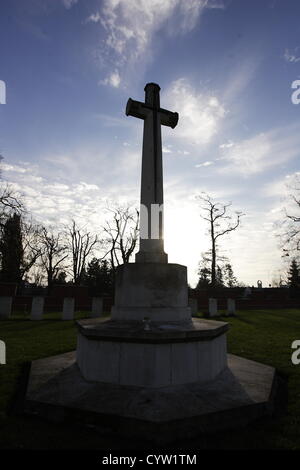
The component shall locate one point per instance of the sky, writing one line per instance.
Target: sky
(227, 68)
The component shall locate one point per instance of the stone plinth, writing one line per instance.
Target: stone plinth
(155, 290)
(37, 308)
(163, 355)
(242, 393)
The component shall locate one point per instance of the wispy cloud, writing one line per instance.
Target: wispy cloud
(262, 151)
(69, 3)
(113, 79)
(291, 56)
(208, 163)
(242, 74)
(199, 114)
(130, 26)
(226, 145)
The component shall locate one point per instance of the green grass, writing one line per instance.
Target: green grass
(265, 336)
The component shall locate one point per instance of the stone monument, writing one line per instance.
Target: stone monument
(151, 289)
(151, 371)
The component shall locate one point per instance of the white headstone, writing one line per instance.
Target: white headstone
(193, 304)
(97, 307)
(213, 307)
(2, 352)
(37, 308)
(230, 306)
(5, 307)
(68, 308)
(247, 292)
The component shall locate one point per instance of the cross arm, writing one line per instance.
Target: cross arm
(135, 109)
(167, 118)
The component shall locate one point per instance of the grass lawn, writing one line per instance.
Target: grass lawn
(263, 335)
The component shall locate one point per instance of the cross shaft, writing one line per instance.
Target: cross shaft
(151, 222)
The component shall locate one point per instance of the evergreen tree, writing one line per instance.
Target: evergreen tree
(99, 275)
(11, 250)
(204, 278)
(293, 275)
(219, 277)
(230, 279)
(61, 278)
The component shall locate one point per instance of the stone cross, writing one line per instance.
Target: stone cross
(151, 214)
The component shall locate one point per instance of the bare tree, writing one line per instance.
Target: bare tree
(37, 275)
(221, 222)
(30, 245)
(81, 245)
(10, 200)
(289, 231)
(122, 234)
(53, 253)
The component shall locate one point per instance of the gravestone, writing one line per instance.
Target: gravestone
(68, 308)
(247, 292)
(212, 307)
(5, 307)
(2, 352)
(193, 304)
(37, 308)
(230, 306)
(97, 307)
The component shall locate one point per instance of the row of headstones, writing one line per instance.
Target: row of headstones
(213, 307)
(37, 308)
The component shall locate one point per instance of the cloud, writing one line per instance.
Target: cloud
(199, 114)
(129, 26)
(13, 168)
(291, 57)
(208, 163)
(262, 151)
(94, 18)
(69, 3)
(113, 80)
(226, 145)
(241, 76)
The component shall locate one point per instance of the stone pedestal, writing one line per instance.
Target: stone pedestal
(68, 308)
(37, 308)
(151, 340)
(157, 291)
(245, 391)
(5, 307)
(163, 355)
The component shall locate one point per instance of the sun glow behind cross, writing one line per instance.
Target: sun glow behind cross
(184, 237)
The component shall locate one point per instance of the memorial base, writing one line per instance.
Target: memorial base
(242, 393)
